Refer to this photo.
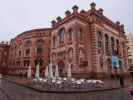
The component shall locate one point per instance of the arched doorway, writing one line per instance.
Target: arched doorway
(109, 68)
(61, 66)
(39, 61)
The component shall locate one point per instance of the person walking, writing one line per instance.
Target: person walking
(121, 73)
(121, 79)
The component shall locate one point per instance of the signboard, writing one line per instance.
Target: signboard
(115, 61)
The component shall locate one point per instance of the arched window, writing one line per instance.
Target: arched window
(40, 46)
(70, 53)
(26, 63)
(109, 67)
(112, 45)
(123, 50)
(19, 52)
(61, 35)
(28, 43)
(27, 48)
(101, 61)
(54, 42)
(53, 57)
(61, 66)
(39, 61)
(107, 44)
(99, 35)
(120, 64)
(117, 47)
(39, 50)
(27, 52)
(81, 56)
(70, 32)
(80, 34)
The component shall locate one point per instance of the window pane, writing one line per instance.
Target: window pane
(61, 35)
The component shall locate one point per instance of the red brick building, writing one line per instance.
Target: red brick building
(88, 40)
(29, 49)
(4, 50)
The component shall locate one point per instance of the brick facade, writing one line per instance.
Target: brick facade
(87, 40)
(4, 52)
(90, 56)
(28, 49)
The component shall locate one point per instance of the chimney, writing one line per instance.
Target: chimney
(59, 19)
(2, 42)
(93, 5)
(100, 11)
(122, 27)
(117, 23)
(53, 22)
(75, 8)
(82, 11)
(67, 13)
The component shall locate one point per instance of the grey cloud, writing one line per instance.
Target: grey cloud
(20, 15)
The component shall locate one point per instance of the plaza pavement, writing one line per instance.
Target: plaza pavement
(11, 91)
(108, 83)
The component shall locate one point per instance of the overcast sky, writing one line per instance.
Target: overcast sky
(17, 16)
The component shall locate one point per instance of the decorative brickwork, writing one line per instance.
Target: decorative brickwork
(29, 49)
(4, 50)
(98, 53)
(87, 40)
